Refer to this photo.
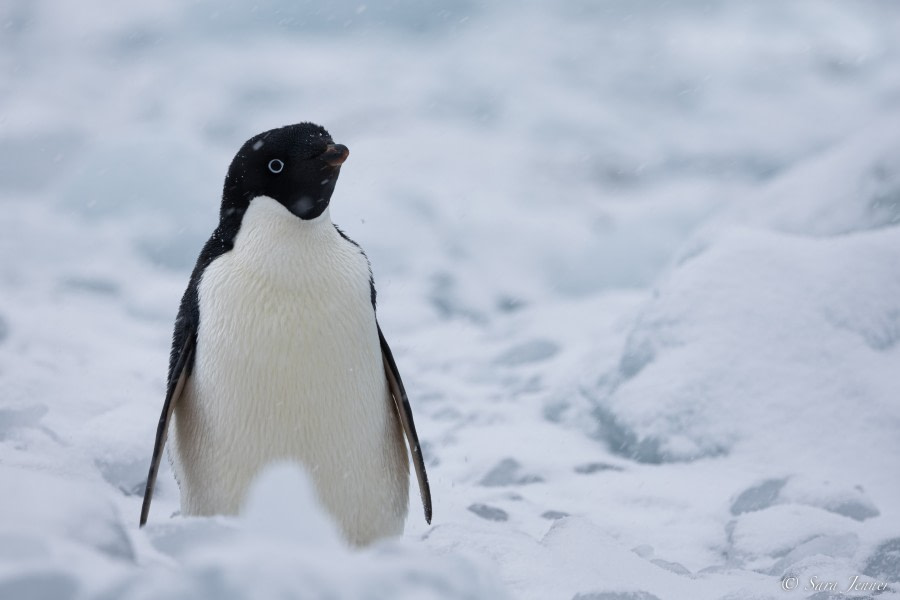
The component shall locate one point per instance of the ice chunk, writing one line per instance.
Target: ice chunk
(884, 563)
(842, 545)
(625, 441)
(758, 497)
(760, 537)
(669, 565)
(833, 497)
(554, 515)
(490, 513)
(595, 467)
(508, 472)
(646, 551)
(638, 353)
(128, 475)
(858, 509)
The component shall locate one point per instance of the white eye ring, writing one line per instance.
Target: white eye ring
(276, 165)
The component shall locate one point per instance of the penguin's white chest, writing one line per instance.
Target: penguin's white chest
(288, 366)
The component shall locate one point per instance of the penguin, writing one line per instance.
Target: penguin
(277, 354)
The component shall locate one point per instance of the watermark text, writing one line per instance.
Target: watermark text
(853, 584)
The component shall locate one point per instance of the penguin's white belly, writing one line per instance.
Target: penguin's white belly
(288, 366)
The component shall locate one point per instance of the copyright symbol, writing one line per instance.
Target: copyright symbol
(789, 583)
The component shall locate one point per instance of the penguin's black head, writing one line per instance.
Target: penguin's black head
(297, 165)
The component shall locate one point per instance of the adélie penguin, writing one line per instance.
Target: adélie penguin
(277, 354)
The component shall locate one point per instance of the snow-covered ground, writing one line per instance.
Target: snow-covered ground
(639, 263)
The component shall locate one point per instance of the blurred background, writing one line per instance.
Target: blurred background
(622, 249)
(475, 129)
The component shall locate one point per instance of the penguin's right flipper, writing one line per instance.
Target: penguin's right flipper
(404, 413)
(177, 381)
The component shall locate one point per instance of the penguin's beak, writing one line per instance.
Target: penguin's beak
(335, 154)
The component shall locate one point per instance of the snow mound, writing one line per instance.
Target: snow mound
(285, 545)
(282, 504)
(780, 333)
(63, 539)
(855, 187)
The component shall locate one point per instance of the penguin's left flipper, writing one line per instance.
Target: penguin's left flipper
(404, 413)
(176, 387)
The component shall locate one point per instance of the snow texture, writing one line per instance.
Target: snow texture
(638, 263)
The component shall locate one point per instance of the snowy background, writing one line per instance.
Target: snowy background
(639, 263)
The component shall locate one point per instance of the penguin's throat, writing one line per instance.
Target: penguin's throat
(278, 245)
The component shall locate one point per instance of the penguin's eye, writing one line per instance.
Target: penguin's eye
(276, 165)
